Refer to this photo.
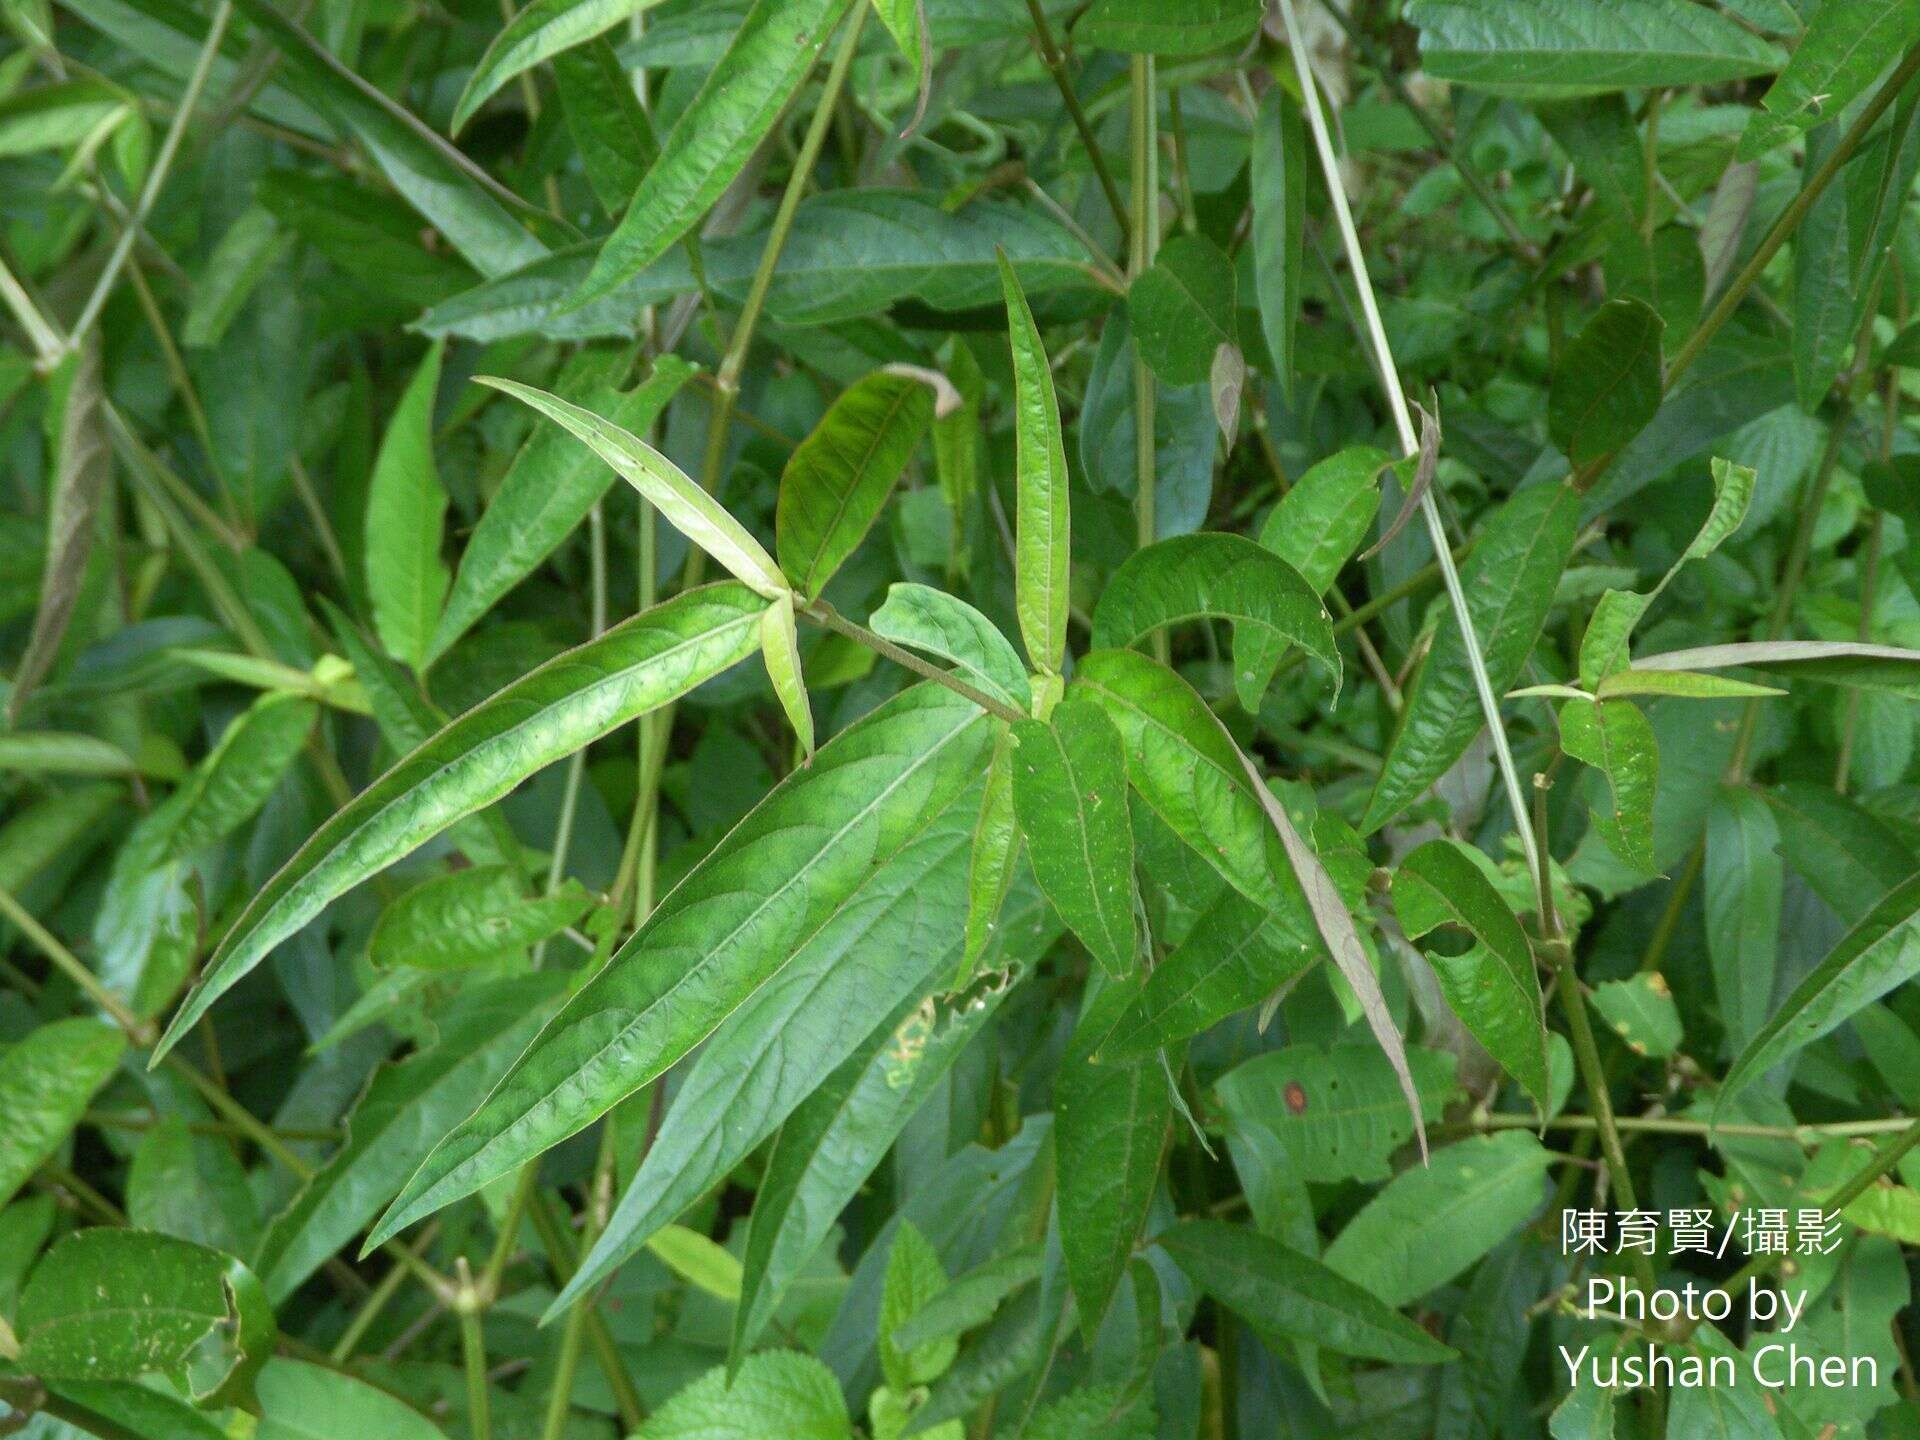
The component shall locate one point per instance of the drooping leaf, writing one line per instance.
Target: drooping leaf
(923, 618)
(1856, 665)
(1041, 506)
(1182, 309)
(538, 33)
(1279, 184)
(46, 1080)
(406, 507)
(1321, 520)
(1607, 384)
(780, 651)
(299, 1401)
(545, 716)
(1615, 739)
(1742, 881)
(1166, 27)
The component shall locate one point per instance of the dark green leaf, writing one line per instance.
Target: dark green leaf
(1182, 309)
(1607, 384)
(46, 1080)
(1167, 27)
(1279, 181)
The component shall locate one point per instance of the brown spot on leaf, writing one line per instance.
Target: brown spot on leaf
(1296, 1097)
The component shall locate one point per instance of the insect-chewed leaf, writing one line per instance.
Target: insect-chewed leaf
(1493, 987)
(1614, 738)
(538, 33)
(46, 1080)
(1607, 384)
(1289, 1296)
(299, 1401)
(1219, 575)
(1070, 794)
(720, 128)
(1641, 1011)
(838, 479)
(1041, 505)
(1166, 27)
(792, 876)
(1509, 582)
(924, 618)
(568, 703)
(406, 508)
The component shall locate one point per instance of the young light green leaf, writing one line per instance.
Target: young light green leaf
(1614, 738)
(541, 31)
(1191, 576)
(971, 1299)
(1509, 581)
(406, 508)
(777, 1392)
(1041, 508)
(46, 1080)
(1166, 27)
(1430, 1224)
(472, 916)
(687, 507)
(1641, 1011)
(1493, 986)
(299, 1401)
(1681, 684)
(796, 881)
(703, 1263)
(991, 859)
(1607, 384)
(914, 1277)
(1279, 186)
(62, 752)
(227, 789)
(1285, 1295)
(923, 618)
(1880, 952)
(1845, 47)
(780, 650)
(649, 661)
(906, 21)
(839, 478)
(1320, 522)
(1605, 648)
(1182, 309)
(1070, 794)
(721, 127)
(1743, 878)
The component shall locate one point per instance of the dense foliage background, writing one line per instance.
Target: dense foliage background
(976, 895)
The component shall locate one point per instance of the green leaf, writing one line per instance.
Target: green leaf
(192, 1187)
(1285, 1295)
(46, 1080)
(780, 650)
(684, 505)
(1556, 48)
(1601, 139)
(1743, 878)
(1279, 185)
(737, 106)
(1493, 986)
(992, 857)
(1429, 1224)
(59, 752)
(1641, 1011)
(1166, 27)
(971, 1299)
(1607, 384)
(249, 249)
(1824, 315)
(1614, 738)
(1182, 308)
(1336, 1113)
(546, 715)
(823, 865)
(914, 1277)
(1877, 954)
(839, 478)
(923, 618)
(1732, 493)
(1509, 581)
(1070, 794)
(471, 917)
(777, 1392)
(701, 1262)
(1041, 506)
(299, 1401)
(1856, 665)
(1843, 50)
(1680, 684)
(227, 789)
(610, 132)
(1849, 856)
(538, 33)
(551, 485)
(1321, 521)
(406, 1108)
(1110, 1127)
(1191, 576)
(906, 21)
(406, 508)
(118, 1304)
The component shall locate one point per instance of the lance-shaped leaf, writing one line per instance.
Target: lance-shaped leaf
(46, 1080)
(538, 33)
(545, 716)
(1879, 953)
(80, 479)
(1226, 576)
(1070, 794)
(1855, 664)
(833, 1141)
(991, 859)
(1166, 27)
(406, 508)
(838, 479)
(1844, 49)
(611, 133)
(1285, 1295)
(742, 98)
(1614, 738)
(1492, 986)
(1509, 582)
(1110, 1126)
(794, 870)
(971, 1299)
(407, 1107)
(469, 917)
(1607, 384)
(906, 21)
(668, 488)
(1743, 880)
(117, 1304)
(1041, 505)
(780, 649)
(1279, 186)
(923, 618)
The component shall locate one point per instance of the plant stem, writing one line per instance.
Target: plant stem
(1056, 65)
(562, 1260)
(139, 1032)
(1140, 251)
(473, 1359)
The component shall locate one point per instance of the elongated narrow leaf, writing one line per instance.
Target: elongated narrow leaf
(839, 478)
(536, 34)
(922, 618)
(780, 651)
(610, 131)
(1614, 738)
(1289, 1296)
(1167, 27)
(1493, 987)
(470, 916)
(1877, 954)
(795, 871)
(1742, 882)
(992, 857)
(652, 659)
(228, 788)
(1846, 46)
(1855, 664)
(1070, 794)
(406, 508)
(46, 1080)
(1607, 385)
(1041, 509)
(1279, 184)
(1219, 575)
(721, 127)
(668, 488)
(1509, 582)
